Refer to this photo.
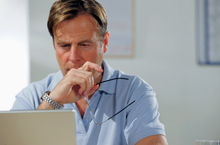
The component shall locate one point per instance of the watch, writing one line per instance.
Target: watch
(51, 101)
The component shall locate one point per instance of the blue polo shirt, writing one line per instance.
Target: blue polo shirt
(139, 120)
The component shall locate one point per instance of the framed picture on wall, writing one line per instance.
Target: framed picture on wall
(120, 15)
(208, 32)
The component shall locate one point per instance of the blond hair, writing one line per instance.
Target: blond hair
(63, 10)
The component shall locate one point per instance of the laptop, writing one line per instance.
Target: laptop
(44, 127)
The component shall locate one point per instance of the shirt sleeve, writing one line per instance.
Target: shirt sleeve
(29, 97)
(143, 117)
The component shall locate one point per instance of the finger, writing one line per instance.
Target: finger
(72, 93)
(79, 77)
(82, 78)
(88, 86)
(79, 73)
(89, 82)
(89, 66)
(81, 83)
(94, 88)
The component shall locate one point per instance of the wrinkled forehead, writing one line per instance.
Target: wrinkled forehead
(83, 21)
(78, 30)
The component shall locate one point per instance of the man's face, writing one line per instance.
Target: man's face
(76, 41)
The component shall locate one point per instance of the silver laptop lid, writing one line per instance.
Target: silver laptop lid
(45, 127)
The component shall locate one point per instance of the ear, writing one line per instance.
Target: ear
(105, 42)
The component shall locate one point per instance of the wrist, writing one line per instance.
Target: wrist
(56, 99)
(46, 97)
(45, 106)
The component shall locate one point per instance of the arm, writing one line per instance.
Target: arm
(143, 125)
(75, 84)
(153, 140)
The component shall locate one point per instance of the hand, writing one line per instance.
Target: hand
(77, 83)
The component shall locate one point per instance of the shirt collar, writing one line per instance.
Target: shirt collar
(109, 73)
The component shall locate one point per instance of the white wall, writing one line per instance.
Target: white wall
(14, 56)
(188, 93)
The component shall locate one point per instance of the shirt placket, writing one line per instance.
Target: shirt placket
(93, 105)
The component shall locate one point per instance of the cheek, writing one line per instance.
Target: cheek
(99, 50)
(58, 55)
(99, 55)
(61, 57)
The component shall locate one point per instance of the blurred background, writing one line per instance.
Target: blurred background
(165, 56)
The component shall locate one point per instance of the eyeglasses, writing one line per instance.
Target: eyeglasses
(91, 111)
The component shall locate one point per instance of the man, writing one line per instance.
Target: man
(120, 111)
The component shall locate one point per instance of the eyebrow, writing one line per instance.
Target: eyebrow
(65, 42)
(86, 41)
(62, 42)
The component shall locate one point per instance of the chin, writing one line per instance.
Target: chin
(64, 72)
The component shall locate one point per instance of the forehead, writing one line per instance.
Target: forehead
(82, 25)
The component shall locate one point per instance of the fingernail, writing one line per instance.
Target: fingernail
(100, 68)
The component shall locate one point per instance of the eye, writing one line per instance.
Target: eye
(84, 45)
(64, 46)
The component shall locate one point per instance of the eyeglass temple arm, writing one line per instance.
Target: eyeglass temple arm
(121, 110)
(111, 80)
(104, 82)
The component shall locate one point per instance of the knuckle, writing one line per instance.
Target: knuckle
(90, 74)
(72, 70)
(87, 78)
(82, 81)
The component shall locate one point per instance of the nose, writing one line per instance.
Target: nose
(74, 55)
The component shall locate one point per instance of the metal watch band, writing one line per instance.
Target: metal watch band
(50, 101)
